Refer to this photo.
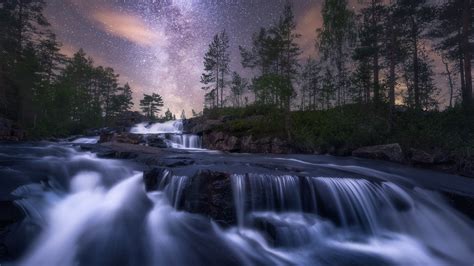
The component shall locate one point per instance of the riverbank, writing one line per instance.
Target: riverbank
(442, 141)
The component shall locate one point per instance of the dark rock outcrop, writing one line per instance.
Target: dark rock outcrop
(389, 152)
(121, 138)
(422, 157)
(207, 192)
(11, 131)
(210, 193)
(154, 177)
(155, 141)
(226, 142)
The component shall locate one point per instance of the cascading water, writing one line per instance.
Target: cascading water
(171, 132)
(94, 211)
(86, 140)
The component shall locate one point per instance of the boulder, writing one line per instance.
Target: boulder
(210, 193)
(207, 192)
(10, 131)
(389, 152)
(421, 157)
(128, 138)
(156, 141)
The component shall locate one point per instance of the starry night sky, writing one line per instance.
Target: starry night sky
(158, 45)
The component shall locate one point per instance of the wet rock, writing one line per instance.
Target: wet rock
(154, 177)
(128, 138)
(156, 141)
(210, 193)
(420, 156)
(389, 152)
(10, 213)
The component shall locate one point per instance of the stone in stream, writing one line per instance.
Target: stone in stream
(207, 193)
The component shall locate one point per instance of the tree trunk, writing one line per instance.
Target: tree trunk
(451, 89)
(376, 56)
(467, 92)
(416, 88)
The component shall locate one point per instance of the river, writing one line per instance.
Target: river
(77, 208)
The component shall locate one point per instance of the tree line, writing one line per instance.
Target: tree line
(46, 91)
(381, 54)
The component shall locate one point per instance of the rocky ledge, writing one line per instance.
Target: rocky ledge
(10, 131)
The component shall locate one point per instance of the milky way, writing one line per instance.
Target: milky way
(158, 45)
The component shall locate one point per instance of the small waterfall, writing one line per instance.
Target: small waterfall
(185, 141)
(171, 132)
(294, 211)
(174, 126)
(86, 140)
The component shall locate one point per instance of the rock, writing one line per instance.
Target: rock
(389, 152)
(422, 157)
(218, 140)
(200, 125)
(154, 177)
(129, 119)
(10, 131)
(156, 141)
(221, 141)
(121, 138)
(210, 193)
(207, 192)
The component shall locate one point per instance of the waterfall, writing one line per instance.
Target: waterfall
(93, 211)
(86, 140)
(174, 126)
(171, 132)
(294, 211)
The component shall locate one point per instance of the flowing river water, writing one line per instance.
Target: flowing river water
(80, 209)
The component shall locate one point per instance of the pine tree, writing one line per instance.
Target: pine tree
(453, 23)
(415, 17)
(238, 88)
(216, 69)
(151, 105)
(327, 91)
(311, 85)
(374, 14)
(427, 91)
(168, 115)
(335, 39)
(122, 101)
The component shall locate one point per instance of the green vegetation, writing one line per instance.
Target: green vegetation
(343, 129)
(373, 81)
(45, 91)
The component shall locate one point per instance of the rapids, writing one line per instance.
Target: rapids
(171, 132)
(84, 210)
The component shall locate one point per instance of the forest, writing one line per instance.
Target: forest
(45, 91)
(373, 81)
(382, 53)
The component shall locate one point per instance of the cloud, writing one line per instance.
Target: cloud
(130, 27)
(307, 25)
(68, 49)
